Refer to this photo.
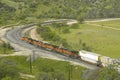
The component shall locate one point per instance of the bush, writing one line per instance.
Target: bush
(75, 26)
(8, 70)
(5, 48)
(47, 34)
(66, 30)
(50, 76)
(65, 44)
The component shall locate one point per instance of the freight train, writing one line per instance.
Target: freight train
(83, 55)
(64, 51)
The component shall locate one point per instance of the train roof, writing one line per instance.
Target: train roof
(87, 52)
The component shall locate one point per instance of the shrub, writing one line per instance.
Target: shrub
(5, 48)
(75, 26)
(8, 69)
(66, 30)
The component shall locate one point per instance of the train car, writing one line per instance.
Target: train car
(29, 40)
(90, 57)
(50, 47)
(106, 61)
(40, 43)
(57, 49)
(34, 42)
(73, 54)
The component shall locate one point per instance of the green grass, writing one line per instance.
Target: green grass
(101, 40)
(113, 23)
(47, 65)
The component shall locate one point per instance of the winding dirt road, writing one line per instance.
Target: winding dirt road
(102, 20)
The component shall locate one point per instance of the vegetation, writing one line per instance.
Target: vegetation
(113, 23)
(108, 73)
(89, 37)
(5, 48)
(27, 11)
(79, 36)
(52, 33)
(6, 14)
(103, 9)
(8, 70)
(47, 69)
(44, 31)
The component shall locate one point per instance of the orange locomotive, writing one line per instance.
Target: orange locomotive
(71, 53)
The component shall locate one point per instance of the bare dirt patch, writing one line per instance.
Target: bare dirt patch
(34, 34)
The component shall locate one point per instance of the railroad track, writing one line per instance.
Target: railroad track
(14, 37)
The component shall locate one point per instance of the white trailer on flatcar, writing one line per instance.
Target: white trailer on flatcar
(90, 56)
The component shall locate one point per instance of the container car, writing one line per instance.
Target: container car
(90, 57)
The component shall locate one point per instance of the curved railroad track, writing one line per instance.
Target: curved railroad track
(14, 37)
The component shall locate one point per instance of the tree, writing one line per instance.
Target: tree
(8, 70)
(43, 76)
(80, 18)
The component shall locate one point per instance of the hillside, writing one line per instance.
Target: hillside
(31, 11)
(99, 37)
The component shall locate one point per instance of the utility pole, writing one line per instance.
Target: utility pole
(70, 72)
(30, 64)
(4, 47)
(33, 55)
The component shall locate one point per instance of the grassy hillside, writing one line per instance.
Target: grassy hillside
(113, 23)
(95, 38)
